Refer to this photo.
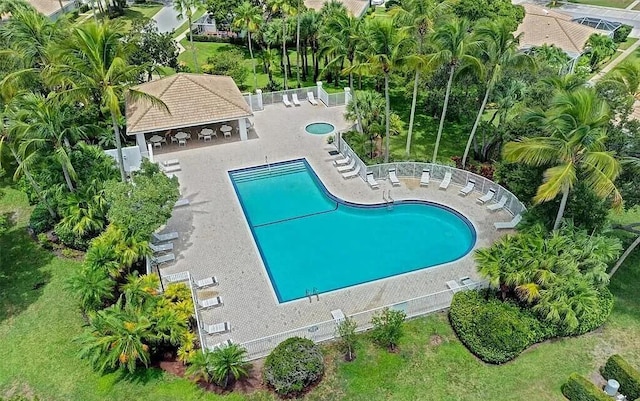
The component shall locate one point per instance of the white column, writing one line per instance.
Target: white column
(347, 95)
(150, 154)
(142, 144)
(242, 128)
(259, 97)
(319, 84)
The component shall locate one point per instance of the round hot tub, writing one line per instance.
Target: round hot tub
(319, 128)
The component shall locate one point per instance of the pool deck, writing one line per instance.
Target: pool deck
(216, 240)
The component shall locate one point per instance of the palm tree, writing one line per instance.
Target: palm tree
(285, 8)
(93, 287)
(600, 47)
(228, 364)
(455, 47)
(138, 289)
(299, 8)
(92, 66)
(385, 48)
(186, 7)
(417, 17)
(553, 56)
(500, 48)
(85, 211)
(576, 123)
(198, 368)
(627, 74)
(47, 124)
(249, 18)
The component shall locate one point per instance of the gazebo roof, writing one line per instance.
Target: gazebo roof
(546, 27)
(192, 99)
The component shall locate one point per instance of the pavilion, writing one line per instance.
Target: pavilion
(194, 101)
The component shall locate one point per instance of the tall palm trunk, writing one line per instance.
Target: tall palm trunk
(355, 102)
(563, 205)
(298, 44)
(444, 113)
(67, 178)
(284, 51)
(387, 113)
(33, 183)
(116, 133)
(407, 150)
(193, 48)
(626, 253)
(476, 124)
(253, 63)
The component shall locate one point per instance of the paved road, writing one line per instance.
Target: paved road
(167, 19)
(629, 17)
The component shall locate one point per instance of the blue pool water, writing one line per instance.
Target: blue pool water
(309, 239)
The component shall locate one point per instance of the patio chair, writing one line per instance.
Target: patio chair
(468, 188)
(285, 100)
(174, 139)
(393, 178)
(351, 174)
(467, 282)
(157, 144)
(161, 247)
(182, 142)
(169, 257)
(508, 224)
(487, 197)
(312, 99)
(181, 202)
(210, 303)
(342, 161)
(444, 184)
(499, 205)
(424, 179)
(219, 345)
(453, 286)
(348, 167)
(165, 237)
(294, 99)
(372, 181)
(206, 282)
(217, 328)
(188, 135)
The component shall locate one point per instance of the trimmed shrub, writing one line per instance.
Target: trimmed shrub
(577, 388)
(293, 366)
(40, 220)
(218, 39)
(621, 34)
(387, 327)
(629, 378)
(591, 321)
(494, 331)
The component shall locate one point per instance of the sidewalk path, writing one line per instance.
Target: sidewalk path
(615, 62)
(632, 5)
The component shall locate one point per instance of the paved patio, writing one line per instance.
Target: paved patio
(215, 238)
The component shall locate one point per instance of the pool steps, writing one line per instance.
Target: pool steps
(268, 171)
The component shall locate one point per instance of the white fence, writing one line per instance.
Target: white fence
(186, 277)
(258, 100)
(276, 97)
(326, 330)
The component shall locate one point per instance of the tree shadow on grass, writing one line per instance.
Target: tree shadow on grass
(141, 375)
(22, 273)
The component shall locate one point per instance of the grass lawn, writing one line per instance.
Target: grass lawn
(134, 12)
(182, 28)
(605, 3)
(38, 320)
(627, 43)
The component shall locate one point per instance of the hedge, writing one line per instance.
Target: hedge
(577, 388)
(293, 366)
(621, 34)
(493, 330)
(218, 39)
(629, 378)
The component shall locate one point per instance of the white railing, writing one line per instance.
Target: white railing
(253, 101)
(331, 99)
(326, 330)
(346, 150)
(276, 97)
(182, 277)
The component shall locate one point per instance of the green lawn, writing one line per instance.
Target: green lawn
(605, 3)
(38, 321)
(134, 12)
(183, 28)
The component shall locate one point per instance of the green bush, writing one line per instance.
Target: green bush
(629, 378)
(577, 388)
(494, 331)
(621, 34)
(40, 220)
(218, 39)
(70, 239)
(592, 320)
(387, 327)
(293, 366)
(229, 63)
(84, 8)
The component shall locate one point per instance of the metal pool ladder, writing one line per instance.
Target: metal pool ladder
(266, 161)
(388, 200)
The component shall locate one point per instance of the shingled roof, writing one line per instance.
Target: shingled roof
(192, 100)
(541, 26)
(354, 7)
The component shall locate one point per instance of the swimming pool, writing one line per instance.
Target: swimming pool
(309, 240)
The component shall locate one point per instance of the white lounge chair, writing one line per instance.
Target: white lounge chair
(165, 237)
(207, 282)
(467, 282)
(169, 257)
(499, 205)
(444, 184)
(170, 169)
(372, 181)
(285, 100)
(210, 302)
(393, 178)
(219, 345)
(294, 99)
(161, 247)
(171, 162)
(508, 224)
(487, 197)
(424, 179)
(176, 277)
(217, 328)
(343, 161)
(312, 98)
(181, 202)
(348, 167)
(353, 173)
(468, 188)
(453, 286)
